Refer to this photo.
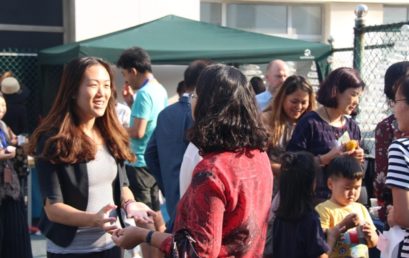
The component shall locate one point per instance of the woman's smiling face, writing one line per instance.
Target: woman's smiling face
(295, 104)
(349, 100)
(94, 93)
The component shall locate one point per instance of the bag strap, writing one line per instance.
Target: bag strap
(183, 245)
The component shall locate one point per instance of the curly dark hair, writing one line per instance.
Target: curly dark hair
(226, 114)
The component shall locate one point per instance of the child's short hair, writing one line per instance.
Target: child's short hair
(345, 166)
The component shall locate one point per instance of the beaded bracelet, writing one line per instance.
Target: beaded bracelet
(127, 202)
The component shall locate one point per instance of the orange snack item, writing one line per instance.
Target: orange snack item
(351, 145)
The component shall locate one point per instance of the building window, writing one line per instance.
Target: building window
(211, 12)
(293, 21)
(394, 14)
(306, 20)
(268, 19)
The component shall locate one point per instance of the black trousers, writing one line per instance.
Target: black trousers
(114, 252)
(143, 186)
(14, 236)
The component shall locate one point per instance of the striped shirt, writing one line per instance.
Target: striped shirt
(398, 175)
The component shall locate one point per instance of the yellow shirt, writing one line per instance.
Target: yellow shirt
(331, 214)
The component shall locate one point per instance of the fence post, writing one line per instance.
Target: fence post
(360, 11)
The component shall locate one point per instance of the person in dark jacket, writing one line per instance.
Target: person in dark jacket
(80, 149)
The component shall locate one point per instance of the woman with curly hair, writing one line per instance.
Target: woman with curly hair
(80, 149)
(225, 209)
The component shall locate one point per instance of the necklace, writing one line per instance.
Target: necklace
(338, 131)
(329, 117)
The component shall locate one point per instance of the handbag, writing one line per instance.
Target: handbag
(9, 182)
(183, 245)
(20, 162)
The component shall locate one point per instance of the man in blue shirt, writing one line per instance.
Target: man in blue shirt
(276, 73)
(151, 98)
(164, 153)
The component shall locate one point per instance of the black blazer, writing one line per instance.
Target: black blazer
(68, 183)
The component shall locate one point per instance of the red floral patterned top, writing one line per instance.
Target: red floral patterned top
(385, 132)
(226, 207)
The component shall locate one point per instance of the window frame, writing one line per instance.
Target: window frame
(289, 9)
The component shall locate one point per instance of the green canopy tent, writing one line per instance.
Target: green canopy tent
(176, 40)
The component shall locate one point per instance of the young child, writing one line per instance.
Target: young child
(343, 212)
(296, 229)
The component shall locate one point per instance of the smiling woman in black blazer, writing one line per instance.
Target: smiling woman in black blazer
(80, 150)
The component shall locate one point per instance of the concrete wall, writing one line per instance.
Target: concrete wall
(389, 2)
(98, 17)
(92, 18)
(339, 21)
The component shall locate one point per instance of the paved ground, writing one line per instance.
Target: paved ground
(38, 247)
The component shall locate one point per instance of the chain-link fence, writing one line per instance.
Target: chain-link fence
(24, 66)
(383, 46)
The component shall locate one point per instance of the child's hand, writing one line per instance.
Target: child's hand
(350, 221)
(333, 234)
(127, 94)
(370, 234)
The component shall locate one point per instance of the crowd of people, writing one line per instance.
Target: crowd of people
(274, 174)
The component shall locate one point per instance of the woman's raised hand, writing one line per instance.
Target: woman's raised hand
(104, 220)
(140, 212)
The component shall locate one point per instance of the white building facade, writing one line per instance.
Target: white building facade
(316, 20)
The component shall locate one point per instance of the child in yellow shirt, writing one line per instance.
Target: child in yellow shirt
(342, 211)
